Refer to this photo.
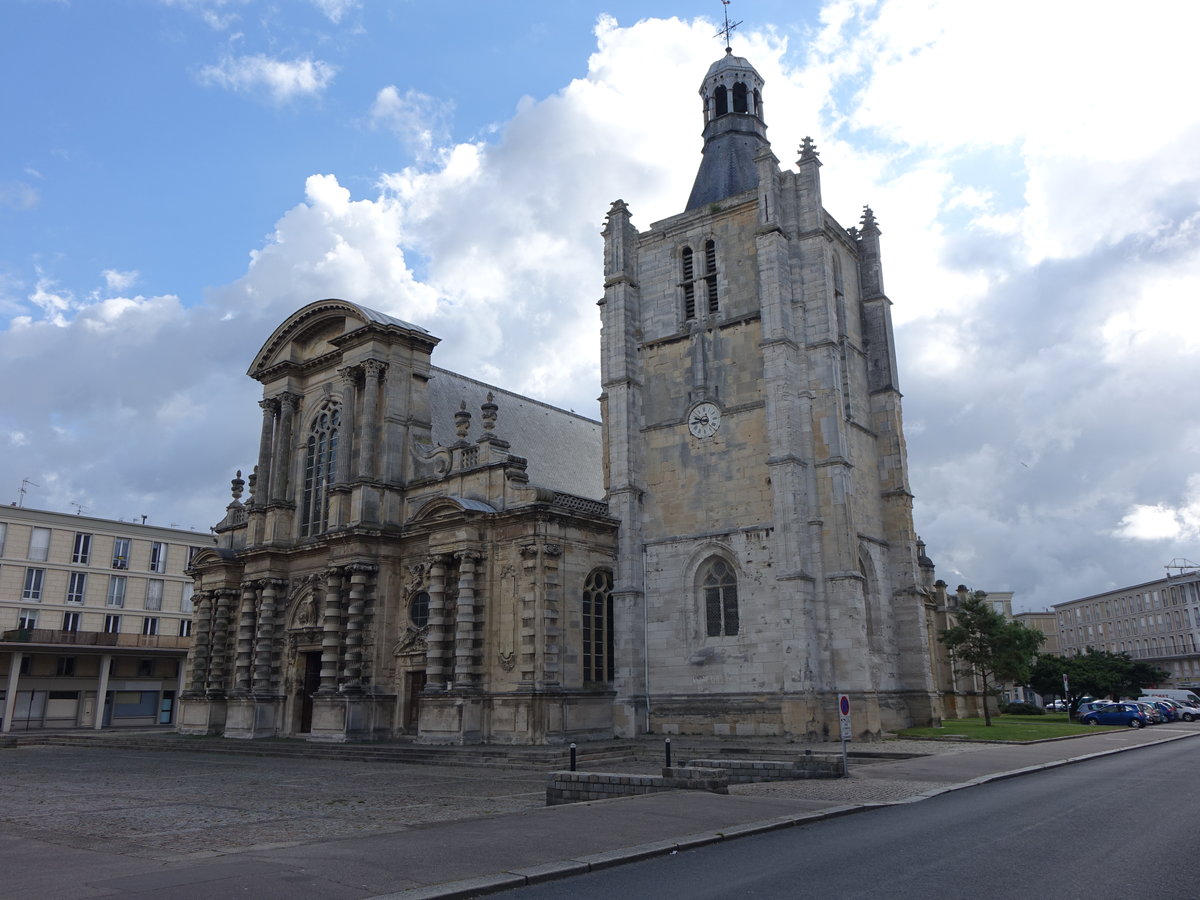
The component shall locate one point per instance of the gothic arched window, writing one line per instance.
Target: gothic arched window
(718, 589)
(320, 466)
(598, 627)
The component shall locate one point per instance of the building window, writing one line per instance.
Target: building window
(33, 584)
(158, 556)
(116, 590)
(82, 552)
(597, 627)
(721, 100)
(418, 609)
(320, 464)
(76, 587)
(186, 602)
(27, 619)
(154, 593)
(192, 551)
(689, 283)
(710, 274)
(112, 623)
(65, 667)
(150, 625)
(145, 668)
(3, 535)
(39, 544)
(185, 627)
(719, 586)
(70, 621)
(120, 553)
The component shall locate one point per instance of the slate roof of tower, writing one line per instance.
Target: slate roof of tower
(564, 449)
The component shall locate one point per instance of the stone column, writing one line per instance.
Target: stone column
(102, 689)
(346, 430)
(530, 666)
(201, 644)
(262, 479)
(220, 644)
(331, 636)
(360, 576)
(466, 672)
(264, 647)
(436, 638)
(551, 553)
(372, 372)
(284, 438)
(10, 696)
(245, 638)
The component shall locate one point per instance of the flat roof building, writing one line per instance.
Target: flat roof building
(92, 608)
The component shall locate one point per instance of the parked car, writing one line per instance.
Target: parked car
(1131, 714)
(1088, 706)
(1165, 707)
(1155, 714)
(1057, 704)
(1187, 712)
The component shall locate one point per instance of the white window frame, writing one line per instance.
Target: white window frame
(158, 557)
(154, 593)
(35, 579)
(187, 603)
(117, 585)
(185, 627)
(121, 549)
(112, 623)
(76, 587)
(39, 550)
(27, 619)
(150, 625)
(71, 621)
(3, 536)
(81, 552)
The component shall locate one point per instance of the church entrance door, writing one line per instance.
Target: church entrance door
(312, 681)
(416, 684)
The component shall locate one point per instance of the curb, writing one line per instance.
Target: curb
(564, 868)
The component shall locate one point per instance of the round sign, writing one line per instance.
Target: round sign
(844, 701)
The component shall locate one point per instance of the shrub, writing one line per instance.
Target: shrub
(1022, 709)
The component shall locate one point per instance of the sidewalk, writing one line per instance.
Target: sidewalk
(308, 828)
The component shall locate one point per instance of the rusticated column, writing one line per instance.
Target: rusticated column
(284, 438)
(346, 436)
(262, 479)
(552, 647)
(360, 577)
(264, 647)
(466, 671)
(372, 373)
(201, 643)
(220, 643)
(245, 637)
(529, 611)
(331, 635)
(436, 676)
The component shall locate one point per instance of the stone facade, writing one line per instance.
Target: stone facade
(728, 552)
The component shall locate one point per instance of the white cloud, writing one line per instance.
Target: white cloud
(419, 120)
(336, 10)
(120, 281)
(282, 80)
(18, 195)
(216, 14)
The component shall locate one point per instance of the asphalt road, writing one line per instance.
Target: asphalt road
(1120, 826)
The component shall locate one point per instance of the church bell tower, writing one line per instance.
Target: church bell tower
(754, 454)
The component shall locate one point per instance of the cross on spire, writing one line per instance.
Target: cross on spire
(729, 26)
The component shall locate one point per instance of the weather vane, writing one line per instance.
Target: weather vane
(728, 29)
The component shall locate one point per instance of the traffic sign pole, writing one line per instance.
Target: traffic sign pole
(847, 733)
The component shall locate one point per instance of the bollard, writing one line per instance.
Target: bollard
(668, 753)
(572, 757)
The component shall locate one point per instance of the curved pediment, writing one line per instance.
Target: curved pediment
(313, 332)
(445, 507)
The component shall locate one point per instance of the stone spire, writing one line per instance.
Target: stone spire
(734, 131)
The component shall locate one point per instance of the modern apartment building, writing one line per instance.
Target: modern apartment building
(1157, 621)
(95, 619)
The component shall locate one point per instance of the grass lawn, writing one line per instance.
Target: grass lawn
(1008, 728)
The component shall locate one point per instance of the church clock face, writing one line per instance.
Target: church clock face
(704, 420)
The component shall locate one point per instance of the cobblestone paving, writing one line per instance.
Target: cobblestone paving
(175, 805)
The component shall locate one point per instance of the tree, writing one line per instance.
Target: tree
(987, 644)
(1096, 673)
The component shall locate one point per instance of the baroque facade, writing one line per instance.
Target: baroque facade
(730, 550)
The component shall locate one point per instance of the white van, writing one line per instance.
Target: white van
(1173, 694)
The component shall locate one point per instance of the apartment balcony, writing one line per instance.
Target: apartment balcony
(98, 639)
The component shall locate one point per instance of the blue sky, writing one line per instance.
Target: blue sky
(179, 175)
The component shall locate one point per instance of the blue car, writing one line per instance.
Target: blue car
(1117, 714)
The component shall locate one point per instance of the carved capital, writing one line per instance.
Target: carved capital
(288, 400)
(529, 551)
(269, 405)
(552, 550)
(373, 368)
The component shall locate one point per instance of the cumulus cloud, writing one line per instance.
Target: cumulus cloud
(119, 281)
(1041, 255)
(280, 80)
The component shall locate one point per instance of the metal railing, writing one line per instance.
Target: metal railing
(95, 639)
